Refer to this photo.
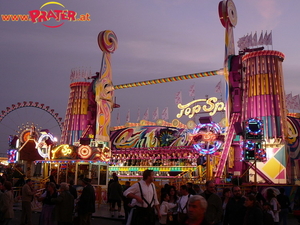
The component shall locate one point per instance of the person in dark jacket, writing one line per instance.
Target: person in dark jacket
(86, 203)
(48, 207)
(235, 209)
(190, 188)
(108, 200)
(259, 197)
(52, 177)
(254, 213)
(214, 210)
(64, 206)
(115, 196)
(72, 189)
(21, 181)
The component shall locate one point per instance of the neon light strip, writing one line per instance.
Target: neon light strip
(154, 168)
(263, 53)
(71, 161)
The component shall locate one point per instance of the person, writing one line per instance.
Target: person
(18, 171)
(126, 202)
(259, 197)
(64, 206)
(284, 202)
(197, 189)
(190, 188)
(214, 210)
(165, 207)
(115, 196)
(2, 206)
(109, 182)
(3, 178)
(28, 172)
(197, 207)
(235, 209)
(27, 196)
(48, 207)
(52, 177)
(225, 198)
(268, 214)
(145, 194)
(271, 199)
(8, 202)
(254, 214)
(173, 198)
(20, 182)
(72, 189)
(182, 204)
(86, 203)
(164, 189)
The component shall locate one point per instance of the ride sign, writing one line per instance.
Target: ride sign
(190, 109)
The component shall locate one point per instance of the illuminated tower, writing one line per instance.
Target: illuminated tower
(76, 116)
(264, 95)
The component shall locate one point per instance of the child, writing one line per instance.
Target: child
(165, 209)
(268, 214)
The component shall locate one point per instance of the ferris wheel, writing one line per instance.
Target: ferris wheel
(21, 119)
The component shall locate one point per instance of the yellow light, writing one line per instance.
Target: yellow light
(212, 107)
(220, 71)
(65, 149)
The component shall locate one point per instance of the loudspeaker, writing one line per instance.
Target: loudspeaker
(100, 145)
(205, 119)
(238, 128)
(49, 142)
(85, 141)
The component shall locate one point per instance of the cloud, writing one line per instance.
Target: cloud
(268, 9)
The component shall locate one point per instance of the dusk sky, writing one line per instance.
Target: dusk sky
(156, 39)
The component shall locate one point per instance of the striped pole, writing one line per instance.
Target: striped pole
(169, 79)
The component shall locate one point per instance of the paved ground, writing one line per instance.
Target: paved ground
(35, 219)
(104, 221)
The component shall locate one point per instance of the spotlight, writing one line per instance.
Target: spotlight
(205, 119)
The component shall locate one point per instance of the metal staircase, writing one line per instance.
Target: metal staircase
(229, 137)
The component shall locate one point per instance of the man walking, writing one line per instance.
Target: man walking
(235, 209)
(214, 210)
(64, 206)
(183, 204)
(115, 196)
(27, 197)
(86, 204)
(145, 194)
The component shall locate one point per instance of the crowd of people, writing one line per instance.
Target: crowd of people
(60, 205)
(190, 205)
